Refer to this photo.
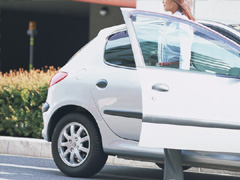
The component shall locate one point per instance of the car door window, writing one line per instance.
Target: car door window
(212, 55)
(164, 42)
(118, 50)
(181, 42)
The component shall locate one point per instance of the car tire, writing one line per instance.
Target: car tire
(77, 146)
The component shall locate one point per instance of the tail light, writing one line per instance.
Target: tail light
(57, 78)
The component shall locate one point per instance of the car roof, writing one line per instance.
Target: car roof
(226, 30)
(111, 30)
(228, 27)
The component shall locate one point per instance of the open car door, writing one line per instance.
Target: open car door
(191, 108)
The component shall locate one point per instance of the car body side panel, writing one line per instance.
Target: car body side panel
(74, 89)
(122, 93)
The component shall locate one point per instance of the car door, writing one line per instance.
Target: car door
(194, 108)
(115, 85)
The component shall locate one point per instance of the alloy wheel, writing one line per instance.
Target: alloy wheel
(74, 144)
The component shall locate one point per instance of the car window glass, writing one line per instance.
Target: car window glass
(211, 55)
(164, 42)
(179, 44)
(225, 32)
(118, 50)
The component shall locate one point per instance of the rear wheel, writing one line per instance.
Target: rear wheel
(77, 146)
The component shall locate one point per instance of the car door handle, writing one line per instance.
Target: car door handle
(102, 83)
(160, 87)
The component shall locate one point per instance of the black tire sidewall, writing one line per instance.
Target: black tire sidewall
(90, 166)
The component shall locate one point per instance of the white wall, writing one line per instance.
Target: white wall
(150, 5)
(217, 10)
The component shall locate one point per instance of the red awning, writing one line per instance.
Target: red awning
(121, 3)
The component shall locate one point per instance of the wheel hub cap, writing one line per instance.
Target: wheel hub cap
(74, 144)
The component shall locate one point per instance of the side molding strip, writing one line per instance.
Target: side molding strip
(172, 121)
(128, 114)
(190, 122)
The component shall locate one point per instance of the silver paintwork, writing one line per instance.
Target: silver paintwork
(119, 135)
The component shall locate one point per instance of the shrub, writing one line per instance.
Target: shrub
(22, 94)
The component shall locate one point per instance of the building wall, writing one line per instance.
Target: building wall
(58, 38)
(63, 28)
(98, 22)
(150, 5)
(218, 10)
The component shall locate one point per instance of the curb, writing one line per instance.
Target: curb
(40, 148)
(25, 147)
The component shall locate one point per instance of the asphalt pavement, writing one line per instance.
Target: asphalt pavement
(31, 168)
(39, 148)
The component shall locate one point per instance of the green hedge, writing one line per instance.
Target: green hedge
(21, 97)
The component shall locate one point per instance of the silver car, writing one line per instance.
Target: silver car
(98, 102)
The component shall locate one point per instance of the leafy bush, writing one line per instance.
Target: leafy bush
(22, 94)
